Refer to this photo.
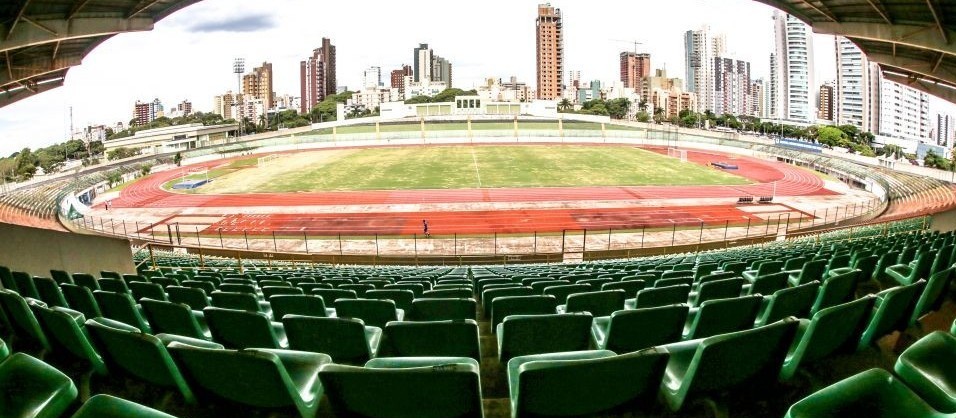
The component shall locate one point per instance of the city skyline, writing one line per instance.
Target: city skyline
(189, 54)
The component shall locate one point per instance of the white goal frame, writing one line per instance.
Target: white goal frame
(677, 153)
(264, 161)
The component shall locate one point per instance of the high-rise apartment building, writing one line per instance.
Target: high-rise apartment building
(944, 134)
(398, 78)
(258, 85)
(146, 112)
(186, 107)
(223, 105)
(904, 111)
(758, 92)
(372, 77)
(701, 47)
(428, 67)
(794, 54)
(634, 68)
(825, 101)
(773, 108)
(732, 87)
(317, 76)
(549, 35)
(856, 100)
(441, 70)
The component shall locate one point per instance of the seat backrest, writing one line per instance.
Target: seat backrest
(441, 309)
(866, 265)
(757, 355)
(461, 292)
(417, 288)
(193, 296)
(398, 388)
(675, 281)
(769, 283)
(330, 296)
(135, 353)
(33, 388)
(25, 285)
(49, 292)
(457, 338)
(812, 270)
(737, 267)
(768, 267)
(563, 384)
(793, 301)
(836, 290)
(269, 291)
(147, 290)
(504, 306)
(522, 335)
(795, 263)
(373, 312)
(629, 287)
(892, 312)
(60, 276)
(6, 279)
(113, 285)
(24, 322)
(599, 303)
(837, 328)
(934, 293)
(539, 286)
(636, 329)
(164, 282)
(198, 284)
(720, 316)
(80, 298)
(235, 300)
(236, 328)
(343, 339)
(720, 289)
(171, 318)
(120, 307)
(402, 297)
(63, 328)
(309, 305)
(358, 288)
(661, 296)
(562, 291)
(491, 294)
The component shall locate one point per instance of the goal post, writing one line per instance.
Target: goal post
(266, 160)
(198, 174)
(677, 153)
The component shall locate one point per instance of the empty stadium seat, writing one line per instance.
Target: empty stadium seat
(375, 313)
(597, 303)
(835, 290)
(194, 297)
(833, 329)
(520, 335)
(175, 318)
(81, 299)
(793, 301)
(403, 298)
(121, 307)
(441, 309)
(106, 406)
(504, 306)
(24, 323)
(873, 393)
(659, 296)
(721, 316)
(236, 328)
(455, 338)
(310, 305)
(927, 368)
(630, 330)
(892, 311)
(345, 340)
(32, 388)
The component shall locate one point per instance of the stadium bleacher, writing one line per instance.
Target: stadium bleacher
(504, 340)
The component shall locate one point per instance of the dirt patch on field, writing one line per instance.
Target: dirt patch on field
(257, 178)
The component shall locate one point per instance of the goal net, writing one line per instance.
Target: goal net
(677, 153)
(268, 159)
(197, 174)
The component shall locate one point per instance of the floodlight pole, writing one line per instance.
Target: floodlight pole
(239, 67)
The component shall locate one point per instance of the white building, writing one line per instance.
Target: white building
(855, 101)
(943, 134)
(252, 108)
(287, 102)
(174, 138)
(372, 78)
(794, 54)
(700, 49)
(370, 98)
(772, 106)
(224, 104)
(904, 112)
(472, 106)
(423, 88)
(732, 87)
(496, 90)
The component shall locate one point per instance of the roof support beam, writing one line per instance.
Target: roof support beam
(910, 35)
(939, 90)
(76, 9)
(878, 6)
(143, 5)
(13, 25)
(27, 36)
(821, 10)
(14, 95)
(37, 68)
(920, 67)
(937, 16)
(40, 25)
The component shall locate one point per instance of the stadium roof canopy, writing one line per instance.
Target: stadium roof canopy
(41, 39)
(913, 41)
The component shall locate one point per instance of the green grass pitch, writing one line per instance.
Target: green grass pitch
(462, 166)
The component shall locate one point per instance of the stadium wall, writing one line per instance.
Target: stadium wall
(36, 251)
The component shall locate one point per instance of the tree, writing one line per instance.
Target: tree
(893, 151)
(935, 161)
(448, 95)
(121, 153)
(564, 105)
(658, 114)
(643, 117)
(418, 99)
(178, 159)
(145, 169)
(642, 105)
(833, 137)
(618, 108)
(114, 178)
(26, 164)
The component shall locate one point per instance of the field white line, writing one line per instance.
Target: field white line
(475, 159)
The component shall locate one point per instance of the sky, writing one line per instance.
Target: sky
(189, 55)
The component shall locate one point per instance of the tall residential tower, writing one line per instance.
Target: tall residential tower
(794, 55)
(317, 76)
(701, 48)
(550, 52)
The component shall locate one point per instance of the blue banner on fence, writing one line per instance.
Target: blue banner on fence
(800, 145)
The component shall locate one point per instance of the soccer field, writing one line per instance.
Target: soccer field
(458, 167)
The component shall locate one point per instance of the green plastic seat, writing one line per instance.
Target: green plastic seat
(32, 388)
(636, 329)
(25, 285)
(457, 338)
(113, 285)
(927, 367)
(765, 267)
(421, 387)
(933, 294)
(736, 267)
(270, 291)
(147, 290)
(164, 282)
(892, 311)
(503, 306)
(66, 334)
(835, 290)
(630, 287)
(561, 292)
(521, 335)
(403, 298)
(106, 274)
(24, 323)
(887, 259)
(659, 296)
(581, 383)
(698, 367)
(448, 293)
(310, 305)
(417, 288)
(143, 356)
(194, 297)
(236, 328)
(262, 378)
(175, 318)
(50, 292)
(833, 329)
(206, 287)
(598, 303)
(121, 307)
(490, 295)
(4, 351)
(235, 300)
(811, 271)
(874, 393)
(106, 406)
(330, 296)
(769, 283)
(81, 299)
(792, 301)
(538, 287)
(675, 281)
(442, 309)
(910, 273)
(718, 289)
(373, 312)
(345, 340)
(721, 316)
(6, 278)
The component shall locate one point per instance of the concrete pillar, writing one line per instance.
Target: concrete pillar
(378, 131)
